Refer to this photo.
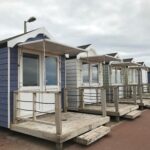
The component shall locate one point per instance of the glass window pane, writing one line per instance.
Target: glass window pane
(85, 73)
(95, 73)
(113, 76)
(30, 69)
(51, 70)
(118, 76)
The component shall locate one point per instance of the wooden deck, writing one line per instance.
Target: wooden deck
(110, 109)
(73, 124)
(145, 102)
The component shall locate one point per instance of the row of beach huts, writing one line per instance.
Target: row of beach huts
(60, 92)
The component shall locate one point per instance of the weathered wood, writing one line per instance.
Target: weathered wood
(140, 94)
(97, 96)
(134, 95)
(65, 100)
(58, 117)
(38, 121)
(110, 109)
(15, 98)
(116, 98)
(72, 128)
(59, 146)
(81, 94)
(103, 101)
(133, 114)
(92, 136)
(34, 106)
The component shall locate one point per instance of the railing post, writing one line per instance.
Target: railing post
(34, 106)
(15, 109)
(65, 100)
(97, 95)
(103, 101)
(148, 88)
(81, 90)
(58, 117)
(134, 95)
(140, 94)
(116, 98)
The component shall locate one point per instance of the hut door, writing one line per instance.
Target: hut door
(52, 78)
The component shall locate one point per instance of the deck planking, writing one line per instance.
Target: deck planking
(110, 109)
(73, 124)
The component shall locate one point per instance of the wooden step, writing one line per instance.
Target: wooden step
(133, 114)
(92, 136)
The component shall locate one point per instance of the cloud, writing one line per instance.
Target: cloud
(112, 25)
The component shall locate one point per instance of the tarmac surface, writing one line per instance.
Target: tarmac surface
(128, 135)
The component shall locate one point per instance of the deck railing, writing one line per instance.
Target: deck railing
(119, 94)
(80, 98)
(35, 114)
(145, 88)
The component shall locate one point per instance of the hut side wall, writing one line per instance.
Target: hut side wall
(4, 87)
(73, 78)
(13, 76)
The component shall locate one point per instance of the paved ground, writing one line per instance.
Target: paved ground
(129, 135)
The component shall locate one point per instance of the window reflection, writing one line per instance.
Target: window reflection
(30, 69)
(85, 74)
(51, 70)
(95, 73)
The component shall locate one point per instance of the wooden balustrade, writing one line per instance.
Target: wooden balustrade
(58, 106)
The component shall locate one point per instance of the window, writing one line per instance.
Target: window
(113, 76)
(95, 73)
(118, 76)
(51, 71)
(30, 69)
(85, 74)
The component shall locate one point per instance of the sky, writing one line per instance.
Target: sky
(121, 26)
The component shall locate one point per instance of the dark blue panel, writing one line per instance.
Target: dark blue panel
(148, 77)
(62, 77)
(13, 76)
(3, 87)
(38, 37)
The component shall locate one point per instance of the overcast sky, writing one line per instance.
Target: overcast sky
(121, 26)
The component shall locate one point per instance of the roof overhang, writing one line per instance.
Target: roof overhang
(51, 47)
(125, 64)
(99, 58)
(139, 67)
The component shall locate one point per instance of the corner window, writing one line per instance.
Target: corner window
(51, 70)
(95, 73)
(85, 73)
(30, 69)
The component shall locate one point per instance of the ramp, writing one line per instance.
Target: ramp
(92, 136)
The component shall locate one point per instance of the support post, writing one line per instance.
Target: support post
(58, 121)
(97, 95)
(140, 94)
(58, 114)
(134, 95)
(116, 98)
(34, 106)
(65, 100)
(15, 109)
(81, 90)
(148, 86)
(103, 101)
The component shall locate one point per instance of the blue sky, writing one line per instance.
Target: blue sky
(121, 26)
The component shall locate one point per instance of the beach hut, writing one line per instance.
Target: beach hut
(88, 76)
(143, 86)
(121, 83)
(32, 78)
